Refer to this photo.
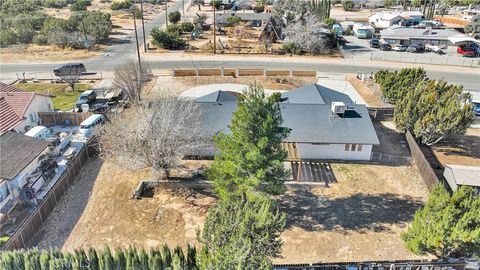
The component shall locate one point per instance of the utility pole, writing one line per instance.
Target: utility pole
(143, 27)
(136, 38)
(166, 13)
(214, 29)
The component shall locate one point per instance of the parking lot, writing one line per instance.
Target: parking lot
(360, 49)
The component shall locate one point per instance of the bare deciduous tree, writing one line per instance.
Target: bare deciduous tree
(154, 134)
(71, 75)
(312, 36)
(130, 79)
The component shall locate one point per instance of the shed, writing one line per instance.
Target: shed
(460, 175)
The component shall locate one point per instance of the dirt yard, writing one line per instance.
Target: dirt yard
(359, 217)
(459, 149)
(369, 91)
(177, 85)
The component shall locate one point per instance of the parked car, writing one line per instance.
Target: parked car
(375, 43)
(77, 68)
(466, 51)
(86, 97)
(416, 48)
(399, 48)
(385, 47)
(434, 48)
(476, 108)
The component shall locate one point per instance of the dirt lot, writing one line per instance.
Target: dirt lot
(369, 91)
(358, 218)
(459, 149)
(177, 85)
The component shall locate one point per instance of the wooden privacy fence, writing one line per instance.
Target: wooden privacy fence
(62, 118)
(381, 114)
(25, 232)
(238, 72)
(426, 171)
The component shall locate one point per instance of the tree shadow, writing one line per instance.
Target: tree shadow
(460, 145)
(359, 212)
(70, 207)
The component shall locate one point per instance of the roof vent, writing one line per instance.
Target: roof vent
(338, 107)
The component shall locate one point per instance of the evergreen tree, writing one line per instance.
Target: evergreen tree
(241, 234)
(448, 225)
(119, 259)
(395, 85)
(166, 257)
(433, 110)
(251, 156)
(92, 259)
(107, 259)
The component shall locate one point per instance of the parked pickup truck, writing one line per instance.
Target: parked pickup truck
(88, 101)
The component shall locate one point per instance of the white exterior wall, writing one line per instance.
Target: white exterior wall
(4, 184)
(38, 104)
(20, 180)
(333, 151)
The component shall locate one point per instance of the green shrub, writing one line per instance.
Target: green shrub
(4, 239)
(137, 13)
(7, 37)
(348, 5)
(167, 40)
(25, 34)
(293, 48)
(216, 3)
(55, 3)
(79, 5)
(187, 27)
(330, 22)
(174, 17)
(233, 20)
(121, 5)
(174, 29)
(259, 9)
(40, 39)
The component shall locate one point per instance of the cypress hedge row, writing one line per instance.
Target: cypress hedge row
(129, 259)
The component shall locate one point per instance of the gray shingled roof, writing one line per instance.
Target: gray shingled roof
(407, 33)
(218, 96)
(17, 152)
(309, 123)
(315, 94)
(464, 175)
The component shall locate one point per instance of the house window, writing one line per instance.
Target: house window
(353, 147)
(359, 147)
(4, 192)
(347, 147)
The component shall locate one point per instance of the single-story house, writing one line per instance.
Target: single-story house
(271, 32)
(19, 110)
(20, 156)
(459, 175)
(387, 19)
(323, 123)
(406, 36)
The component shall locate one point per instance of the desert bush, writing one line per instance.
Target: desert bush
(7, 37)
(126, 4)
(79, 5)
(186, 27)
(233, 20)
(348, 5)
(167, 40)
(55, 3)
(292, 48)
(174, 17)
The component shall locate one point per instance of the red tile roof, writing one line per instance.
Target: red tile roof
(19, 101)
(8, 117)
(8, 88)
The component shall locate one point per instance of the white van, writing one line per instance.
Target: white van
(87, 127)
(39, 132)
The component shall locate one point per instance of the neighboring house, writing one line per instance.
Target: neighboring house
(19, 110)
(271, 32)
(406, 36)
(20, 156)
(323, 123)
(459, 175)
(387, 19)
